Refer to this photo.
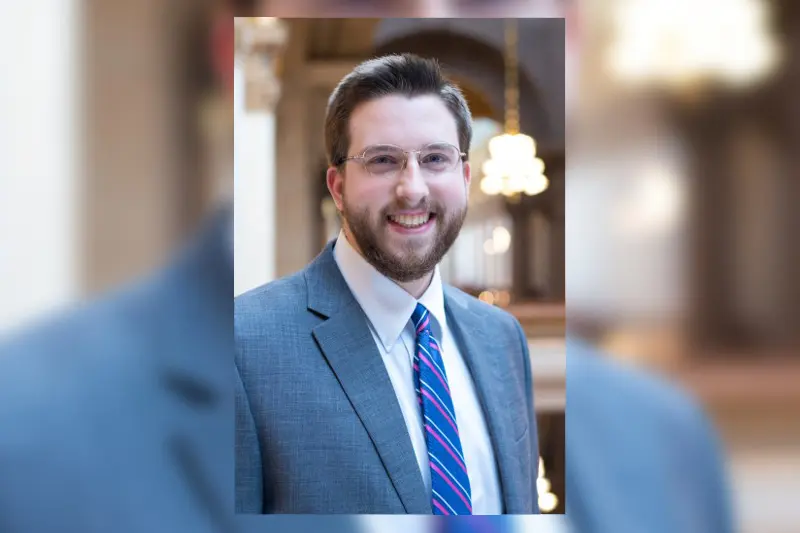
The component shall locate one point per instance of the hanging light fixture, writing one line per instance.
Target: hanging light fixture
(513, 168)
(688, 43)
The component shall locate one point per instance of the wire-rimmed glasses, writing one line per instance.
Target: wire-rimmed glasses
(386, 160)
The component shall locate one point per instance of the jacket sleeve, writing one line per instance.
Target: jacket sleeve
(250, 494)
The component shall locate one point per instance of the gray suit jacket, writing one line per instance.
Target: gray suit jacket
(318, 425)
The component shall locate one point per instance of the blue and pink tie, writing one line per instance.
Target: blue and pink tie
(451, 493)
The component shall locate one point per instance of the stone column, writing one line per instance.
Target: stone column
(259, 42)
(40, 164)
(296, 160)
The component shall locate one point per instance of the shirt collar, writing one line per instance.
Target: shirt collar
(387, 305)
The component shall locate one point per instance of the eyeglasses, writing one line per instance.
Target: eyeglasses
(386, 160)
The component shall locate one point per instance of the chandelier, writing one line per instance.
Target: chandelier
(513, 167)
(685, 43)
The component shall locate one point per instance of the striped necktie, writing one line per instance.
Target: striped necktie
(451, 494)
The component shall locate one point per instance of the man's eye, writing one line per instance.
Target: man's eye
(434, 158)
(382, 160)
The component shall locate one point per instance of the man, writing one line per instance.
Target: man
(365, 384)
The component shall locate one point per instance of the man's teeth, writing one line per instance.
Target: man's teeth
(412, 221)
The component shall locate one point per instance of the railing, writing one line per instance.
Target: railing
(541, 320)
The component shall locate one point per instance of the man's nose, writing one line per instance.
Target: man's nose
(412, 187)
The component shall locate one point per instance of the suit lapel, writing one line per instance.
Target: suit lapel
(469, 330)
(347, 344)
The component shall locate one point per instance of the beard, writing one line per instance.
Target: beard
(411, 261)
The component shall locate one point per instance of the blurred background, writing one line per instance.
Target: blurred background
(679, 192)
(681, 248)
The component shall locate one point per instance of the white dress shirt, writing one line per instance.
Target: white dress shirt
(388, 308)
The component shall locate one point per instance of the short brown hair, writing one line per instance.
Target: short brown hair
(405, 74)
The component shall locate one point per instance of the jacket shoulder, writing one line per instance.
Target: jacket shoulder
(628, 387)
(276, 302)
(281, 294)
(68, 364)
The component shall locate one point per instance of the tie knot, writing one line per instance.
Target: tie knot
(420, 318)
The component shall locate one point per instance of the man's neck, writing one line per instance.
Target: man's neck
(415, 288)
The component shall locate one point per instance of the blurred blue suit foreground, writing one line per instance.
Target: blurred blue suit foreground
(117, 417)
(640, 455)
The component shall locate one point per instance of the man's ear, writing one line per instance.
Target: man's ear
(335, 181)
(467, 175)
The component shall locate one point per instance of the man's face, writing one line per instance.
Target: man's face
(404, 224)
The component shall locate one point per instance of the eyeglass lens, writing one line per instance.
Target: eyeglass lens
(386, 160)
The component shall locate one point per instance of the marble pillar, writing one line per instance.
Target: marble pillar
(259, 41)
(40, 179)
